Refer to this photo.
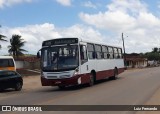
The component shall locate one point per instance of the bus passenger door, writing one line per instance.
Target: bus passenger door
(83, 59)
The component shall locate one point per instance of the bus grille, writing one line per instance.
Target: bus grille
(52, 77)
(65, 76)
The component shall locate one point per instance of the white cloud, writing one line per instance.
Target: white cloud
(82, 31)
(32, 34)
(4, 3)
(35, 34)
(65, 2)
(109, 20)
(133, 6)
(89, 4)
(131, 17)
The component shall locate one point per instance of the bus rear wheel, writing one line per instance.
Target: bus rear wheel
(92, 80)
(115, 76)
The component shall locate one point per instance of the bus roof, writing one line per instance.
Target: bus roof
(87, 41)
(97, 42)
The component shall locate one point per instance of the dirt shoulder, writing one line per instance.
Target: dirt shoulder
(31, 82)
(154, 100)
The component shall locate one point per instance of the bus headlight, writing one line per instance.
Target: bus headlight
(79, 80)
(76, 72)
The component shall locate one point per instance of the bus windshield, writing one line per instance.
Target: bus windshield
(60, 58)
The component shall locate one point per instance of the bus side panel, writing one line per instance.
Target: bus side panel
(104, 67)
(120, 70)
(103, 74)
(88, 67)
(85, 78)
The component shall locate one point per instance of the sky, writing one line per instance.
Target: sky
(96, 20)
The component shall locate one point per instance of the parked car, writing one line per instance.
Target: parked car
(10, 79)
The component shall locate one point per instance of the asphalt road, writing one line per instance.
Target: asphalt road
(133, 87)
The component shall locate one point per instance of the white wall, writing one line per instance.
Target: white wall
(19, 64)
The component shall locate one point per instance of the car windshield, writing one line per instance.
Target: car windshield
(60, 58)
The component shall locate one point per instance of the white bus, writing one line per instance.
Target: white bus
(74, 61)
(7, 63)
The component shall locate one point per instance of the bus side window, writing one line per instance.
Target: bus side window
(98, 51)
(111, 54)
(91, 51)
(120, 52)
(83, 54)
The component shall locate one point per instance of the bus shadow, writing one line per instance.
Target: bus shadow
(85, 86)
(107, 80)
(79, 87)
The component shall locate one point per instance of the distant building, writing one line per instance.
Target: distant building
(27, 62)
(136, 61)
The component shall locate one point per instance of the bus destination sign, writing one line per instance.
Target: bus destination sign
(60, 41)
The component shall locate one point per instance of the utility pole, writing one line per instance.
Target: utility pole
(124, 54)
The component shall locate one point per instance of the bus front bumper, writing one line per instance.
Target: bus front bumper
(60, 82)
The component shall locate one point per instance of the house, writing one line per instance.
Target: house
(27, 62)
(136, 61)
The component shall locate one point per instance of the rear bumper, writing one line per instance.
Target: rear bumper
(60, 82)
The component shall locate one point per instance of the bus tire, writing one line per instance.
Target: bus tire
(115, 76)
(61, 87)
(92, 79)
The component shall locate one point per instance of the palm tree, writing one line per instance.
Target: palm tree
(17, 43)
(2, 38)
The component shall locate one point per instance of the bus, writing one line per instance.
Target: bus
(74, 61)
(7, 63)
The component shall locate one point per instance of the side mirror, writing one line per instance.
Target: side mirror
(38, 55)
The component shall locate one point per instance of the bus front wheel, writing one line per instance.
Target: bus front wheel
(61, 87)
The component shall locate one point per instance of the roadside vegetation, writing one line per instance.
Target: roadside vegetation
(154, 55)
(15, 47)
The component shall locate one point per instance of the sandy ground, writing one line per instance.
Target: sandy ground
(31, 82)
(154, 100)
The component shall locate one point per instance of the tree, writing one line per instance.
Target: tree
(153, 56)
(155, 50)
(17, 43)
